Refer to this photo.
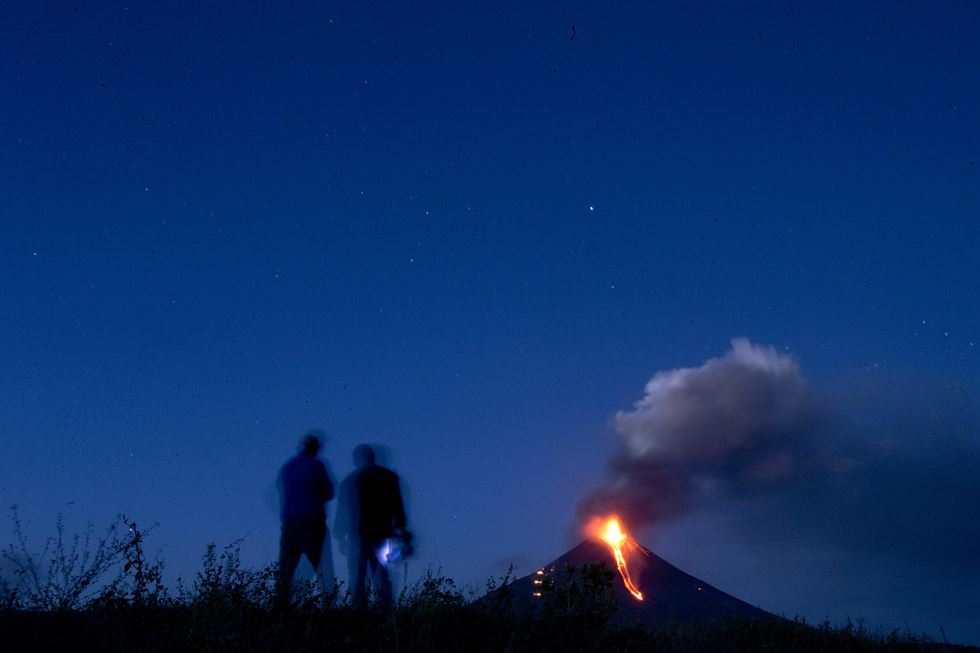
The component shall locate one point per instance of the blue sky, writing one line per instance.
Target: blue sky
(463, 234)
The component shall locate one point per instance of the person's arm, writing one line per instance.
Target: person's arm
(326, 486)
(398, 506)
(342, 522)
(281, 490)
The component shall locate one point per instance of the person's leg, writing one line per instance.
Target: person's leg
(289, 553)
(379, 575)
(328, 577)
(314, 531)
(316, 547)
(383, 584)
(358, 553)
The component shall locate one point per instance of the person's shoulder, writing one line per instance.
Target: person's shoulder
(387, 474)
(350, 478)
(301, 462)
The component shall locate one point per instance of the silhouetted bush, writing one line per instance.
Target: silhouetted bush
(231, 608)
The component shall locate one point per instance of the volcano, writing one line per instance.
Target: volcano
(669, 594)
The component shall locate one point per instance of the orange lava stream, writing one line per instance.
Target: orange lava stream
(612, 534)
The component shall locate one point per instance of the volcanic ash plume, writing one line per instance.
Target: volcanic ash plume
(735, 425)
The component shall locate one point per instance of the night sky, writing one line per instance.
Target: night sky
(473, 235)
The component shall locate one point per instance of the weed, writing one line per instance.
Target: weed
(64, 574)
(230, 607)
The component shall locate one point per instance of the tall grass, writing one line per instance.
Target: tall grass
(104, 594)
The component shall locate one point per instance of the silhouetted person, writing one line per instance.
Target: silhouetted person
(304, 487)
(370, 511)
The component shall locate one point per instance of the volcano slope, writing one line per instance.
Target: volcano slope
(669, 594)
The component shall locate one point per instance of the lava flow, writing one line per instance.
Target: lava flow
(610, 532)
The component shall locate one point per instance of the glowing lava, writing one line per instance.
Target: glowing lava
(610, 532)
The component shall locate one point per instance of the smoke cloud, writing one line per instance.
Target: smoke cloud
(878, 466)
(739, 424)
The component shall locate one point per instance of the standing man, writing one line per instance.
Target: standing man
(370, 512)
(304, 487)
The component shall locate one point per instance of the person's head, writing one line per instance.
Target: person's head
(363, 455)
(311, 444)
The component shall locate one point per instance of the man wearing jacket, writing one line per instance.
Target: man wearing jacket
(370, 511)
(304, 489)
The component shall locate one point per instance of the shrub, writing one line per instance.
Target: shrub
(64, 575)
(229, 607)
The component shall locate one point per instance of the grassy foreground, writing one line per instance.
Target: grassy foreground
(432, 620)
(62, 602)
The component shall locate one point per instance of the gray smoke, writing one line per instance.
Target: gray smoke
(737, 424)
(881, 466)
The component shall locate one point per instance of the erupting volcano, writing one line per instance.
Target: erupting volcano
(652, 590)
(609, 531)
